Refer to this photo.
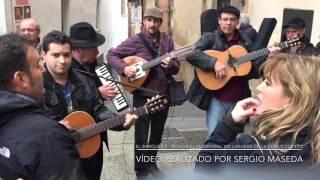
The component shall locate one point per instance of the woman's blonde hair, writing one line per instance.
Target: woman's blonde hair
(300, 78)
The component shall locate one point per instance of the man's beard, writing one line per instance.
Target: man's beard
(154, 32)
(37, 85)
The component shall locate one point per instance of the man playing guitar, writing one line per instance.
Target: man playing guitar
(218, 102)
(148, 44)
(68, 90)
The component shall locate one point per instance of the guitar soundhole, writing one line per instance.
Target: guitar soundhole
(232, 62)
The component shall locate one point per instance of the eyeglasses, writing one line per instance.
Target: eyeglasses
(229, 19)
(28, 30)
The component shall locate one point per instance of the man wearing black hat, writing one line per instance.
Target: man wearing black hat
(85, 41)
(295, 27)
(148, 44)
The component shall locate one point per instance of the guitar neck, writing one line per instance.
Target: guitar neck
(154, 62)
(102, 126)
(174, 54)
(253, 55)
(259, 53)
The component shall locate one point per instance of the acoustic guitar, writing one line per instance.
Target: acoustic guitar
(87, 132)
(143, 66)
(237, 61)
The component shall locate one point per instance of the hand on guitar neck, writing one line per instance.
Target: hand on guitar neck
(85, 130)
(167, 62)
(274, 50)
(137, 68)
(131, 70)
(220, 68)
(130, 119)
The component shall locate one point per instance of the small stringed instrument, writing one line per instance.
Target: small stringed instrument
(87, 131)
(238, 63)
(143, 66)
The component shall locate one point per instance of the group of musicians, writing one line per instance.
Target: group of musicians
(70, 85)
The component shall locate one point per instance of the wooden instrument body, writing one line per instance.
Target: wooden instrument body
(237, 61)
(208, 78)
(81, 119)
(87, 133)
(143, 66)
(141, 75)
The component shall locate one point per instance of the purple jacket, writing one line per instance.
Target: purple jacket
(158, 76)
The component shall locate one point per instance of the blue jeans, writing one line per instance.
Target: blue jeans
(216, 112)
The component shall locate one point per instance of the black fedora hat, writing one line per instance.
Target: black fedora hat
(295, 22)
(83, 35)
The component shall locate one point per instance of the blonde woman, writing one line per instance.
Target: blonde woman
(287, 125)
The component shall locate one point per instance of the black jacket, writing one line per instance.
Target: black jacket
(224, 144)
(32, 146)
(88, 68)
(84, 97)
(200, 96)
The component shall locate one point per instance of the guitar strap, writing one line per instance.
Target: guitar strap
(176, 89)
(147, 45)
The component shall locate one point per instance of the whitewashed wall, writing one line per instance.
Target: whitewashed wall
(74, 11)
(48, 14)
(112, 23)
(3, 25)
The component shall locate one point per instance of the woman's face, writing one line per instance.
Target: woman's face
(271, 95)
